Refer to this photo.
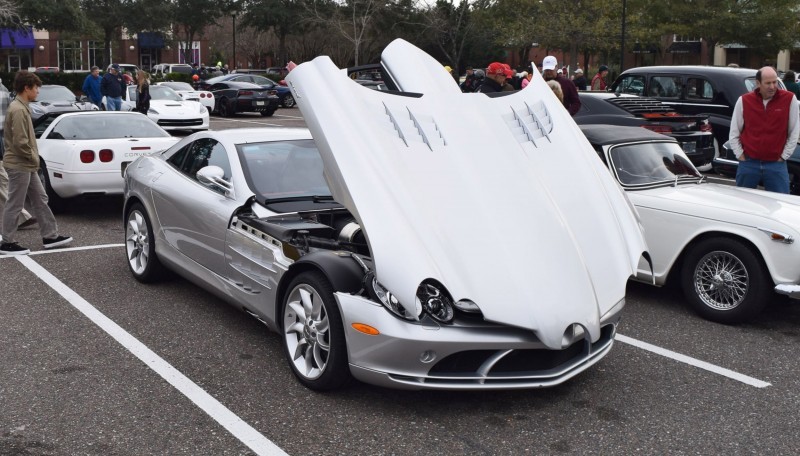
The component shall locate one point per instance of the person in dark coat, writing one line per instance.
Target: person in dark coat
(142, 92)
(571, 100)
(112, 86)
(580, 80)
(495, 78)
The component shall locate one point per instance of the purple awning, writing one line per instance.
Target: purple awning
(17, 38)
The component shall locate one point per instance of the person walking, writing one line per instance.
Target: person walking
(599, 80)
(142, 92)
(21, 162)
(112, 86)
(764, 131)
(25, 219)
(91, 87)
(790, 81)
(579, 80)
(570, 93)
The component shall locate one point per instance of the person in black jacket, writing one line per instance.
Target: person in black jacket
(112, 87)
(580, 80)
(495, 78)
(571, 100)
(142, 92)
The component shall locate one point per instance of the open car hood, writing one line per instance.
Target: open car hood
(502, 200)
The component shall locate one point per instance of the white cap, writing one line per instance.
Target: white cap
(549, 63)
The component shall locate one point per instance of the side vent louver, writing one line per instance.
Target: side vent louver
(530, 123)
(411, 127)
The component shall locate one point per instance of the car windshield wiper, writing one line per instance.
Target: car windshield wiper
(314, 198)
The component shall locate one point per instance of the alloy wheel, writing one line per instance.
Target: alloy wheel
(307, 331)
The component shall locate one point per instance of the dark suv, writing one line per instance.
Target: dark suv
(692, 89)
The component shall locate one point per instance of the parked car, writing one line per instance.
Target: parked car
(693, 132)
(187, 92)
(46, 69)
(729, 247)
(57, 98)
(169, 110)
(163, 69)
(129, 68)
(284, 94)
(83, 153)
(692, 89)
(232, 97)
(371, 250)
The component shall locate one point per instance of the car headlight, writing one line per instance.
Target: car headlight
(390, 301)
(436, 301)
(152, 111)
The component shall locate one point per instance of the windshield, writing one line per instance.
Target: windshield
(156, 93)
(283, 169)
(177, 85)
(52, 94)
(107, 126)
(651, 163)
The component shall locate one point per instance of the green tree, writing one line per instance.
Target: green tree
(191, 17)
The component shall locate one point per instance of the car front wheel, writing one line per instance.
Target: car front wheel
(225, 108)
(140, 246)
(725, 280)
(313, 337)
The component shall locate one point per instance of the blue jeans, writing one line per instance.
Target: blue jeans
(113, 104)
(773, 175)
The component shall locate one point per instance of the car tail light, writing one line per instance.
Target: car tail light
(202, 94)
(659, 128)
(245, 93)
(106, 155)
(705, 126)
(272, 92)
(87, 156)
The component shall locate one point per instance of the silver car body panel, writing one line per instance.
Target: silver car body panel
(502, 200)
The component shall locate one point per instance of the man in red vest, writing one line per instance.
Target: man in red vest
(764, 132)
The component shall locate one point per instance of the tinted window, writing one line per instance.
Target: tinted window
(665, 87)
(108, 126)
(241, 79)
(219, 86)
(632, 84)
(649, 163)
(177, 158)
(206, 152)
(699, 88)
(261, 80)
(50, 94)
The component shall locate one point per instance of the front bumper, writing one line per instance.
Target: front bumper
(481, 356)
(195, 121)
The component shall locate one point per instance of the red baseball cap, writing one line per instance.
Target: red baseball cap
(509, 71)
(496, 68)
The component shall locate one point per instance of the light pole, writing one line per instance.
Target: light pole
(233, 17)
(622, 45)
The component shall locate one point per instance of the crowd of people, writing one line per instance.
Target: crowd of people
(499, 77)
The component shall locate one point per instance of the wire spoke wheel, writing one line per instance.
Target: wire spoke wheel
(721, 280)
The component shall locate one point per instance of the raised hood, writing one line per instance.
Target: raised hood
(502, 200)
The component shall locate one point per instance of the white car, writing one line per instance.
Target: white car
(169, 110)
(187, 92)
(729, 247)
(85, 152)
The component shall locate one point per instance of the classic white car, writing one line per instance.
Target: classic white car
(85, 152)
(408, 245)
(730, 247)
(169, 110)
(187, 92)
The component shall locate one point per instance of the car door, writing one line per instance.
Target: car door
(194, 216)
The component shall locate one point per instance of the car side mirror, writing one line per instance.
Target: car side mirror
(214, 176)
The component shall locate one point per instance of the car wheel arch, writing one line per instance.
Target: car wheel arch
(342, 272)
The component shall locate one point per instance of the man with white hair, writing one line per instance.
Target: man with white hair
(571, 100)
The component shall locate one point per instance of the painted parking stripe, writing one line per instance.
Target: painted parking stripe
(221, 414)
(693, 362)
(251, 121)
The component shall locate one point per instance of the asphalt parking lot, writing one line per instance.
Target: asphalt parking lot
(94, 363)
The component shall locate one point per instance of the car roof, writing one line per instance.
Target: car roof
(697, 69)
(602, 135)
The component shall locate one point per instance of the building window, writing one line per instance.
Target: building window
(69, 55)
(685, 39)
(194, 53)
(97, 54)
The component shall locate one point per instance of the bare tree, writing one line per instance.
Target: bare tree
(351, 19)
(9, 16)
(448, 24)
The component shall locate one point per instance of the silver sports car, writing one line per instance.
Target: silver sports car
(397, 246)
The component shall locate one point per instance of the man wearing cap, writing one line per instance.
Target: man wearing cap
(495, 78)
(579, 80)
(571, 100)
(112, 87)
(599, 80)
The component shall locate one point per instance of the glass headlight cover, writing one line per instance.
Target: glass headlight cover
(390, 301)
(436, 301)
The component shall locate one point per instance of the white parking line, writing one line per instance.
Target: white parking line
(693, 362)
(221, 414)
(249, 121)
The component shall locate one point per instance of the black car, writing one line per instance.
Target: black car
(284, 93)
(692, 89)
(693, 132)
(231, 97)
(57, 98)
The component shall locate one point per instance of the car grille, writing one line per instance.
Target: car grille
(640, 105)
(509, 367)
(180, 122)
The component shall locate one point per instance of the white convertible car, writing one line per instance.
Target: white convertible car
(730, 247)
(169, 110)
(85, 152)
